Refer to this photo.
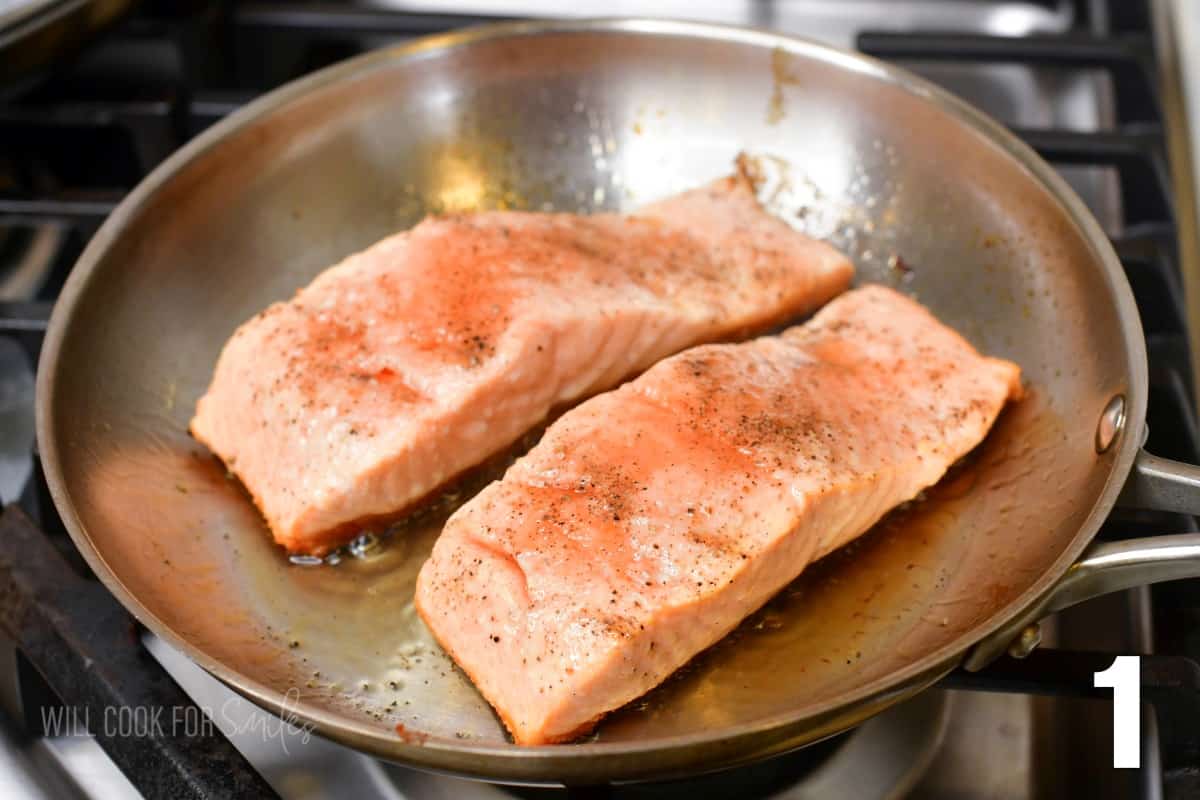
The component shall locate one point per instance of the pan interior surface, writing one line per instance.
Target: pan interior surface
(578, 118)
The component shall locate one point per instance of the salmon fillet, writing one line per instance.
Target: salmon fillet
(416, 359)
(649, 521)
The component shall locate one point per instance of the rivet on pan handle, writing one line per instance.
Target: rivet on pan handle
(1154, 482)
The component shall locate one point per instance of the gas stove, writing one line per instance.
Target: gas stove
(1098, 87)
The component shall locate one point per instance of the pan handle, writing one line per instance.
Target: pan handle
(1162, 484)
(1105, 567)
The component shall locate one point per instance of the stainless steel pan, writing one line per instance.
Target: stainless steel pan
(924, 192)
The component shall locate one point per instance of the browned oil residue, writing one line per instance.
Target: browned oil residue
(781, 76)
(750, 168)
(898, 265)
(410, 737)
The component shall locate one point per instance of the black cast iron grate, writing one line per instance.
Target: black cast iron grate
(73, 145)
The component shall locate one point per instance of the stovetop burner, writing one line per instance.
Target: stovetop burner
(1076, 79)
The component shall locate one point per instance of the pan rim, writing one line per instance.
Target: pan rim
(519, 763)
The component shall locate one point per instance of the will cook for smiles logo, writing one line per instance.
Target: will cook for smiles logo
(180, 721)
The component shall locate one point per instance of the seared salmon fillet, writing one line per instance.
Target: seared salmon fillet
(649, 521)
(416, 359)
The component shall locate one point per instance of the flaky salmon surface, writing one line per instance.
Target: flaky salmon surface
(649, 521)
(416, 359)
